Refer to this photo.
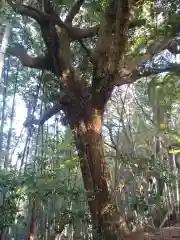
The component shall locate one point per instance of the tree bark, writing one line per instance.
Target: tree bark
(106, 220)
(33, 220)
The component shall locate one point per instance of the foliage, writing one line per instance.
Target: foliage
(9, 197)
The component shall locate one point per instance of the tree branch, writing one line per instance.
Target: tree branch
(174, 68)
(137, 23)
(45, 117)
(107, 59)
(27, 10)
(49, 113)
(87, 50)
(60, 105)
(74, 32)
(153, 50)
(38, 15)
(28, 61)
(74, 10)
(80, 33)
(135, 75)
(93, 31)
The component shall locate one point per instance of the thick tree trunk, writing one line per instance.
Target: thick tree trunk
(106, 220)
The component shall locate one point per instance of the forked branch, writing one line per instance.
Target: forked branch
(39, 16)
(75, 33)
(27, 10)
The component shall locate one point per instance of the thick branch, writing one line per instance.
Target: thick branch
(38, 15)
(93, 31)
(153, 50)
(49, 113)
(26, 10)
(75, 9)
(87, 50)
(74, 32)
(137, 23)
(86, 32)
(135, 75)
(108, 58)
(28, 61)
(60, 105)
(174, 68)
(45, 117)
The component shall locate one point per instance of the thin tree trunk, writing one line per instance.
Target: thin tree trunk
(6, 72)
(4, 45)
(4, 234)
(32, 227)
(6, 162)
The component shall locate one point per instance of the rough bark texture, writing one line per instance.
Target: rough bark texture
(105, 217)
(33, 220)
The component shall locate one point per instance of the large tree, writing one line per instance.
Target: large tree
(83, 101)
